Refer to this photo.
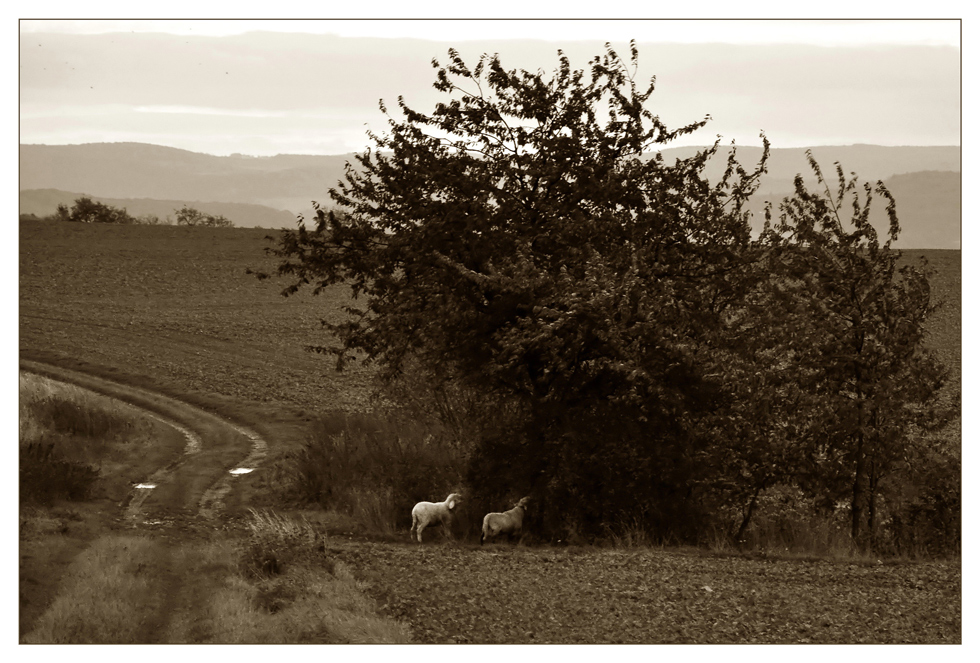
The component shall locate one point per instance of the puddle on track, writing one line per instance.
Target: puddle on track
(210, 501)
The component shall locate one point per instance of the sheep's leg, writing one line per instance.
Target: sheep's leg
(418, 532)
(415, 523)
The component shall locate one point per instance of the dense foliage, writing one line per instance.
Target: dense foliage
(861, 348)
(86, 210)
(628, 352)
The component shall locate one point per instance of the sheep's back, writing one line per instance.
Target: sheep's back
(508, 520)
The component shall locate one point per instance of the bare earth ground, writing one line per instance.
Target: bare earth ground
(161, 312)
(499, 594)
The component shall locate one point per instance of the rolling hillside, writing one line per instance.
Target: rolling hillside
(927, 203)
(138, 170)
(924, 180)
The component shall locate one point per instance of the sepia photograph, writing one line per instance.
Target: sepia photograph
(489, 331)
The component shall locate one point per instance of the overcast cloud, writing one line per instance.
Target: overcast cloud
(265, 93)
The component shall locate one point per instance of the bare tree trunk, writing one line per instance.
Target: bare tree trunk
(748, 515)
(872, 510)
(858, 493)
(860, 467)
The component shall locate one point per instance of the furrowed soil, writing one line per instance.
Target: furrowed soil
(171, 310)
(174, 306)
(500, 594)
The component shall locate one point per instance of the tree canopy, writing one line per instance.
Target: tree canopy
(86, 210)
(188, 216)
(629, 349)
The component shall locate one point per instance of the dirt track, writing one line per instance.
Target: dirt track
(198, 482)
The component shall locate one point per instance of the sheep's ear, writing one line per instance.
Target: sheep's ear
(452, 504)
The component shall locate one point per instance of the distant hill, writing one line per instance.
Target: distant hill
(138, 170)
(44, 202)
(928, 205)
(869, 162)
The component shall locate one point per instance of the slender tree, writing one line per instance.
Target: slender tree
(862, 342)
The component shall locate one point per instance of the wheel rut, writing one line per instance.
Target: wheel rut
(217, 451)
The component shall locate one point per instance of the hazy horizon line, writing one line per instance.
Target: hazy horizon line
(333, 154)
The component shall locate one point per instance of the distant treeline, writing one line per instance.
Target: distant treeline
(86, 210)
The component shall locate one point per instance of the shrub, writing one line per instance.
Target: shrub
(275, 541)
(72, 416)
(152, 220)
(923, 517)
(372, 467)
(45, 475)
(788, 521)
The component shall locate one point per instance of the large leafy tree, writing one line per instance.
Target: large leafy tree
(624, 349)
(521, 242)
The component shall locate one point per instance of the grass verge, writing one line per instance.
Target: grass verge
(133, 589)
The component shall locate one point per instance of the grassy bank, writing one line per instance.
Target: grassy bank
(275, 585)
(77, 445)
(82, 580)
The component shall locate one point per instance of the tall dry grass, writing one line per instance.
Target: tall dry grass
(66, 436)
(373, 468)
(290, 590)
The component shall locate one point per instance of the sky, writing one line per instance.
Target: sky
(312, 87)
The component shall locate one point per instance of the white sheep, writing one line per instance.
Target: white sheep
(425, 514)
(508, 522)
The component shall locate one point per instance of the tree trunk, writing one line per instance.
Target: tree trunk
(856, 511)
(872, 511)
(858, 494)
(748, 515)
(860, 464)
